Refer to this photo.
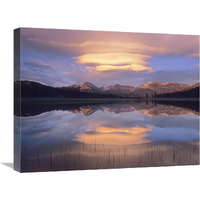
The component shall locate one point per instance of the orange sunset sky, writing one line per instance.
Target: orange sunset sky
(63, 57)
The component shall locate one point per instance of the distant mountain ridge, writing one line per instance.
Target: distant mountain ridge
(191, 92)
(31, 89)
(117, 89)
(86, 89)
(150, 88)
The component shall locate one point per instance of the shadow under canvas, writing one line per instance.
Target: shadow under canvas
(8, 165)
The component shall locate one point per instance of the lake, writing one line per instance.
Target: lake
(107, 135)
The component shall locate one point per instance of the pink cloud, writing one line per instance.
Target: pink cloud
(72, 42)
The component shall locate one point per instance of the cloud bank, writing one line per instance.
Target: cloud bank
(115, 62)
(62, 57)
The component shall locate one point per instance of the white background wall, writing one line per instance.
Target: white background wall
(154, 16)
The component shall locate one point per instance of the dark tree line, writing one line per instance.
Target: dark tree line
(28, 89)
(189, 93)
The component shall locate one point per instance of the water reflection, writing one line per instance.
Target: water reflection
(115, 135)
(109, 135)
(156, 108)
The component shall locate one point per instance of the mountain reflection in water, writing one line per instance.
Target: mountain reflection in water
(111, 135)
(151, 108)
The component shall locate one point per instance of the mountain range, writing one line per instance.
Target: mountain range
(149, 88)
(87, 90)
(192, 92)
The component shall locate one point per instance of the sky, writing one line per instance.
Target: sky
(59, 57)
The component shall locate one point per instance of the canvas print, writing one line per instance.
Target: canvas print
(103, 100)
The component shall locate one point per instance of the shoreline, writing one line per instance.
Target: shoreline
(99, 100)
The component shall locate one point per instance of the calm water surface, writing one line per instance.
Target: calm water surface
(109, 136)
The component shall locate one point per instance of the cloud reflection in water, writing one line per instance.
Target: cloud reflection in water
(116, 135)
